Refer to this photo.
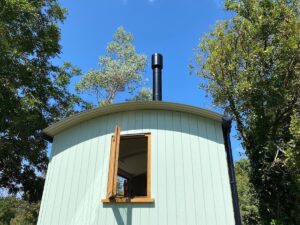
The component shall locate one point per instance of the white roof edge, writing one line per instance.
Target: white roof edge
(75, 119)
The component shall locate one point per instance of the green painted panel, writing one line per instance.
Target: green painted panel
(190, 182)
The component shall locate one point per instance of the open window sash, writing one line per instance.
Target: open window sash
(113, 164)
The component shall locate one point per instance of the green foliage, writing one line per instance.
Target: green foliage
(33, 92)
(18, 212)
(120, 69)
(247, 196)
(249, 65)
(144, 95)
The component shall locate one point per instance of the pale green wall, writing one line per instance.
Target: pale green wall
(190, 182)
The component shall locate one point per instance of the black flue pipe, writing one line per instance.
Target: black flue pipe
(226, 126)
(157, 65)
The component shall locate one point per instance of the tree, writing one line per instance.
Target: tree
(144, 95)
(18, 212)
(249, 66)
(33, 91)
(120, 69)
(247, 196)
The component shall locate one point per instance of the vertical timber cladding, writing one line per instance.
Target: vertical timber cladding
(189, 174)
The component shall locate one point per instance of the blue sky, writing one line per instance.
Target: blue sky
(170, 27)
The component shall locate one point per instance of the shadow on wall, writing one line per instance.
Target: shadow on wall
(123, 212)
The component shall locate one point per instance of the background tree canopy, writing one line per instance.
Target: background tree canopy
(247, 196)
(33, 91)
(120, 70)
(249, 65)
(145, 94)
(18, 212)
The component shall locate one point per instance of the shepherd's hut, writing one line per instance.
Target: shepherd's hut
(143, 163)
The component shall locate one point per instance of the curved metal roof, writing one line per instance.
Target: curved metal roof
(73, 120)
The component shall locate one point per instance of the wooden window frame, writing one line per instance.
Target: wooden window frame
(113, 170)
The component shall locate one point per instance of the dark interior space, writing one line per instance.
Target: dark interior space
(132, 166)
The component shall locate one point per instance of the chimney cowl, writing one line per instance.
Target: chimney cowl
(157, 61)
